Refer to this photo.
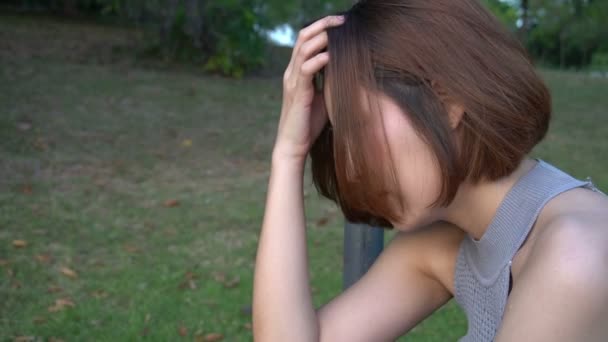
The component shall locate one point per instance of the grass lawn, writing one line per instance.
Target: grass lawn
(131, 198)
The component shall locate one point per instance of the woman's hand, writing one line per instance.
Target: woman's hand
(303, 114)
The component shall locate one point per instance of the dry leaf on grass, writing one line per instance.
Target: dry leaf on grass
(131, 249)
(170, 231)
(322, 221)
(170, 203)
(27, 189)
(99, 294)
(220, 277)
(187, 284)
(41, 144)
(213, 337)
(188, 281)
(43, 258)
(61, 304)
(39, 320)
(234, 282)
(4, 262)
(65, 302)
(19, 243)
(68, 272)
(182, 331)
(54, 289)
(24, 339)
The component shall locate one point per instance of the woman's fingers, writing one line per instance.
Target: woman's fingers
(314, 65)
(298, 129)
(311, 47)
(309, 32)
(310, 68)
(318, 27)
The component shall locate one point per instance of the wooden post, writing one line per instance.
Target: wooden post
(362, 245)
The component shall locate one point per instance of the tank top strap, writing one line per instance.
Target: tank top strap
(514, 219)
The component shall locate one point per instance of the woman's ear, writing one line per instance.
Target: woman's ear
(455, 110)
(455, 114)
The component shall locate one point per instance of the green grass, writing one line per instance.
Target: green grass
(109, 143)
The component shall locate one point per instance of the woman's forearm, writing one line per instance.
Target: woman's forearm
(282, 301)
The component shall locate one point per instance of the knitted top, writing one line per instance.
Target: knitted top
(483, 268)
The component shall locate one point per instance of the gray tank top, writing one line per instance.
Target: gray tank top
(483, 267)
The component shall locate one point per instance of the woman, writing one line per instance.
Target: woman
(426, 117)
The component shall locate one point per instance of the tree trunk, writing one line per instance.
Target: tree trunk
(578, 7)
(70, 8)
(562, 51)
(525, 19)
(168, 20)
(194, 20)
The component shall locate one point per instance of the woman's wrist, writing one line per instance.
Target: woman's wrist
(282, 157)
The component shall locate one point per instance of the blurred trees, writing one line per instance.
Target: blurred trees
(506, 12)
(569, 33)
(229, 36)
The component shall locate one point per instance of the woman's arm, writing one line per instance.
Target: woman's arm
(409, 281)
(282, 303)
(406, 284)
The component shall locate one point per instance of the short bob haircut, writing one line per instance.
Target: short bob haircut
(408, 50)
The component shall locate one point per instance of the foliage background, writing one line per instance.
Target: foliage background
(230, 36)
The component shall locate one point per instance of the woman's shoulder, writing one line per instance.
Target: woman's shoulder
(580, 211)
(573, 232)
(572, 216)
(566, 268)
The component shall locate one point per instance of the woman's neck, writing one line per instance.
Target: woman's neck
(475, 206)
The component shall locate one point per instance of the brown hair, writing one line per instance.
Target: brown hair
(404, 49)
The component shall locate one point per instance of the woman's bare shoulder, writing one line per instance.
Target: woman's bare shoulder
(579, 211)
(566, 268)
(574, 222)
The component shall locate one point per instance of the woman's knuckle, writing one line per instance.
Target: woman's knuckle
(308, 49)
(302, 35)
(305, 69)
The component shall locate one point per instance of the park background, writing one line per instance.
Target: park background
(135, 139)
